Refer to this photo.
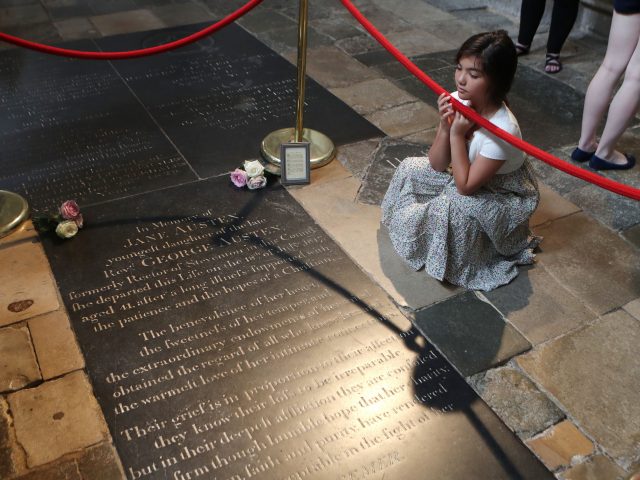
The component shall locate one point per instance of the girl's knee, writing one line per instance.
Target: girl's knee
(415, 163)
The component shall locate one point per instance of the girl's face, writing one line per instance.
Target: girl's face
(471, 81)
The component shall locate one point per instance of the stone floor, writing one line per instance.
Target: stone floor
(554, 353)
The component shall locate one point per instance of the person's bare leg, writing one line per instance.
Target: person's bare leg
(623, 39)
(623, 107)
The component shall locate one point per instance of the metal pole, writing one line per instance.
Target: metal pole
(302, 65)
(322, 148)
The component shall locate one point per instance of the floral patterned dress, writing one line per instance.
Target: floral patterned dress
(475, 241)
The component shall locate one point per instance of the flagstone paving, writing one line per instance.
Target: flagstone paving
(516, 400)
(554, 353)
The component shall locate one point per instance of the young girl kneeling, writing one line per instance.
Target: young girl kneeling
(469, 227)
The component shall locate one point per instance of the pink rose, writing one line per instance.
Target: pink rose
(239, 177)
(69, 210)
(256, 182)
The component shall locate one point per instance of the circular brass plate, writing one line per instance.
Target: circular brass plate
(13, 211)
(322, 148)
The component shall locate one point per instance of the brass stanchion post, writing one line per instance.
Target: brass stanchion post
(321, 146)
(13, 211)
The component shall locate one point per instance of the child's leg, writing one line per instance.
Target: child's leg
(623, 39)
(623, 107)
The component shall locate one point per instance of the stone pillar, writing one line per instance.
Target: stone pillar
(595, 16)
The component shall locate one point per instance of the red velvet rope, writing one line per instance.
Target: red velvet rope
(532, 150)
(133, 53)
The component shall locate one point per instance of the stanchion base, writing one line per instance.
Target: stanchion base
(13, 211)
(322, 148)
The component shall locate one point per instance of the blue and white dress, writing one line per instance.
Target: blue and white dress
(475, 241)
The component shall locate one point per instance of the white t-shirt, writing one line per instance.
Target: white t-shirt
(488, 145)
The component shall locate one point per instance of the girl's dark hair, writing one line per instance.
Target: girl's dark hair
(499, 60)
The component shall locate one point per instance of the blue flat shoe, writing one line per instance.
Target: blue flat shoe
(580, 155)
(598, 163)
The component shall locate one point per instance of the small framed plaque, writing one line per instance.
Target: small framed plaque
(295, 163)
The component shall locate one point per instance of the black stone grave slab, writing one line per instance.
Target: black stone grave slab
(72, 129)
(217, 99)
(227, 336)
(383, 165)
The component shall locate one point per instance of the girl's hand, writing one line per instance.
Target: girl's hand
(461, 125)
(446, 111)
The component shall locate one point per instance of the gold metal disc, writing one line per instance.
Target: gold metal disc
(322, 148)
(13, 211)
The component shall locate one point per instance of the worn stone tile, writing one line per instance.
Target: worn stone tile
(597, 467)
(358, 45)
(63, 470)
(76, 28)
(100, 7)
(423, 137)
(12, 461)
(23, 15)
(333, 69)
(383, 61)
(414, 12)
(417, 41)
(333, 171)
(66, 9)
(470, 333)
(551, 207)
(356, 157)
(338, 26)
(356, 228)
(560, 444)
(125, 22)
(56, 418)
(284, 40)
(25, 233)
(18, 365)
(55, 344)
(419, 90)
(28, 288)
(382, 19)
(488, 20)
(261, 20)
(516, 400)
(633, 308)
(616, 211)
(632, 235)
(591, 261)
(539, 305)
(410, 288)
(405, 119)
(371, 95)
(592, 373)
(561, 182)
(100, 462)
(453, 31)
(185, 14)
(551, 123)
(383, 166)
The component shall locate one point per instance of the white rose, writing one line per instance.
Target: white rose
(253, 168)
(67, 229)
